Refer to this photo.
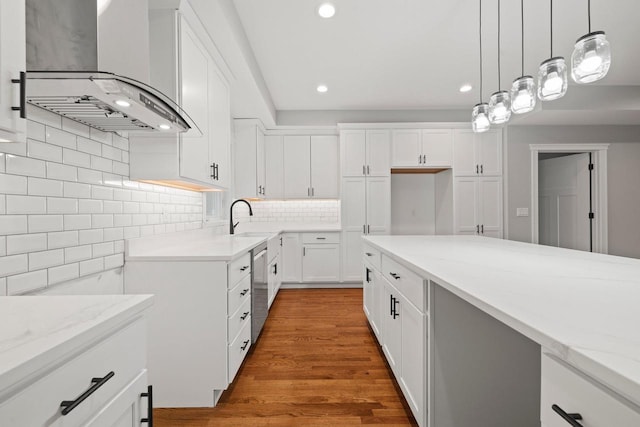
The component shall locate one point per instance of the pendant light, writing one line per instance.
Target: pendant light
(552, 74)
(523, 89)
(591, 56)
(500, 101)
(479, 115)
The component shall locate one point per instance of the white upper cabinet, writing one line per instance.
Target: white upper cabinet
(297, 167)
(249, 159)
(477, 154)
(478, 206)
(311, 166)
(365, 153)
(274, 166)
(12, 63)
(422, 148)
(325, 166)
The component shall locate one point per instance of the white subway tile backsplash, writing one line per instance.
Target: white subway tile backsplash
(101, 164)
(43, 116)
(17, 148)
(130, 207)
(100, 136)
(115, 233)
(13, 184)
(121, 143)
(89, 176)
(75, 128)
(26, 204)
(77, 253)
(44, 259)
(88, 146)
(44, 187)
(13, 224)
(3, 204)
(102, 193)
(62, 239)
(35, 130)
(26, 282)
(77, 222)
(90, 206)
(111, 179)
(45, 223)
(138, 196)
(25, 243)
(59, 137)
(120, 220)
(131, 232)
(91, 266)
(76, 158)
(3, 287)
(61, 172)
(44, 151)
(114, 261)
(121, 168)
(13, 264)
(77, 190)
(25, 166)
(101, 221)
(118, 246)
(139, 219)
(91, 236)
(112, 153)
(57, 205)
(63, 273)
(112, 207)
(103, 249)
(3, 245)
(124, 195)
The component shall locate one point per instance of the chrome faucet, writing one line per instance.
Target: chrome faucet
(233, 226)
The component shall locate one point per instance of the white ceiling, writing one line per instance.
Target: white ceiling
(415, 54)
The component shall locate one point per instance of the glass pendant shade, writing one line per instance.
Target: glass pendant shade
(499, 107)
(480, 118)
(523, 95)
(591, 58)
(552, 79)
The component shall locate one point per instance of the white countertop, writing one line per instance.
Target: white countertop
(38, 331)
(581, 306)
(203, 245)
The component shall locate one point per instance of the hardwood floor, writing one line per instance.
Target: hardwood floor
(315, 364)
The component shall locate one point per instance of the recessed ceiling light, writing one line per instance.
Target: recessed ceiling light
(322, 88)
(465, 88)
(326, 10)
(164, 126)
(123, 103)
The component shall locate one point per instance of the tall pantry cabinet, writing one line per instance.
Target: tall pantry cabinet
(365, 193)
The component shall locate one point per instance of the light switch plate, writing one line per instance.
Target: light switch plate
(522, 211)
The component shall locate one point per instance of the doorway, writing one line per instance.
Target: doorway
(568, 196)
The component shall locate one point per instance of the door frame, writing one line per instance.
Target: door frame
(599, 158)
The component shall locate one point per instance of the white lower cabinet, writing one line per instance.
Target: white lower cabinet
(274, 278)
(478, 206)
(565, 390)
(311, 257)
(395, 302)
(291, 258)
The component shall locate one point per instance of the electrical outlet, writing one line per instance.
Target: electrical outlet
(522, 211)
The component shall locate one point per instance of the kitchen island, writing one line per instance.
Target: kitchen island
(505, 322)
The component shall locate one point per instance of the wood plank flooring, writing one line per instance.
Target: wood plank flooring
(315, 364)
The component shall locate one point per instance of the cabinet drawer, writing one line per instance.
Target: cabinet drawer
(406, 281)
(239, 268)
(239, 294)
(273, 246)
(123, 353)
(238, 319)
(320, 237)
(238, 349)
(372, 255)
(575, 393)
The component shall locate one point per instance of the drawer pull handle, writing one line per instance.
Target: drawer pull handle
(244, 267)
(149, 396)
(244, 345)
(394, 275)
(570, 418)
(244, 315)
(70, 405)
(244, 292)
(321, 238)
(368, 254)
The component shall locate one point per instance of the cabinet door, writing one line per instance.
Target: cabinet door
(297, 164)
(220, 129)
(195, 88)
(490, 206)
(392, 326)
(12, 62)
(245, 159)
(378, 205)
(321, 263)
(291, 258)
(489, 148)
(260, 169)
(378, 151)
(124, 409)
(414, 357)
(371, 298)
(464, 153)
(437, 147)
(325, 167)
(271, 281)
(274, 167)
(354, 218)
(406, 148)
(465, 205)
(352, 148)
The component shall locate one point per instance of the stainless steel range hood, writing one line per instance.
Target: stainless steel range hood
(88, 60)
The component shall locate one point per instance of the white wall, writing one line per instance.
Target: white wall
(413, 209)
(623, 180)
(332, 117)
(66, 206)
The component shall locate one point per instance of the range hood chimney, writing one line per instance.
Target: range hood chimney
(88, 60)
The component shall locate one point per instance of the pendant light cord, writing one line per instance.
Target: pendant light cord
(499, 45)
(589, 14)
(480, 38)
(551, 27)
(522, 26)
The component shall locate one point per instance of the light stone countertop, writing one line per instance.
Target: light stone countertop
(582, 307)
(39, 331)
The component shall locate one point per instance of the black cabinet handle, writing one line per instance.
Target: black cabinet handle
(570, 418)
(321, 238)
(23, 95)
(275, 268)
(367, 278)
(477, 169)
(481, 168)
(390, 305)
(395, 311)
(244, 292)
(213, 170)
(244, 345)
(244, 315)
(364, 170)
(482, 228)
(368, 254)
(70, 405)
(368, 173)
(394, 275)
(281, 241)
(149, 396)
(244, 267)
(477, 229)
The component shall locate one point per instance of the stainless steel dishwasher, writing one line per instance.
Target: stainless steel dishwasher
(259, 296)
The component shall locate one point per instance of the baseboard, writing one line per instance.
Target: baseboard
(343, 285)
